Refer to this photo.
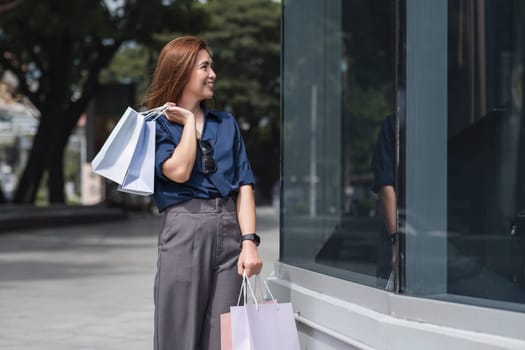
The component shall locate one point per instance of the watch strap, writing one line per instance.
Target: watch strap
(251, 237)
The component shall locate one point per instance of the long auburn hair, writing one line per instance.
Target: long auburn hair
(173, 70)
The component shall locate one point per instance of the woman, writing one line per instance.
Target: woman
(204, 185)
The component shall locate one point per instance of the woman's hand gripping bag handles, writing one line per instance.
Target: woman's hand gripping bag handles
(128, 154)
(259, 326)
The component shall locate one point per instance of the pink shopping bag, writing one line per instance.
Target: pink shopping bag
(226, 332)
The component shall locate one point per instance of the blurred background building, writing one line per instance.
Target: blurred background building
(18, 125)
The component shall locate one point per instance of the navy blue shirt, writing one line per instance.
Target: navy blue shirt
(233, 168)
(383, 160)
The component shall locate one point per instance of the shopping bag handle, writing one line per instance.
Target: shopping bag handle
(247, 285)
(243, 291)
(258, 281)
(157, 110)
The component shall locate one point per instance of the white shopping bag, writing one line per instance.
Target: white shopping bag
(115, 156)
(113, 159)
(139, 178)
(263, 326)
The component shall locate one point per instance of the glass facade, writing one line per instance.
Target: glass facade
(425, 98)
(463, 212)
(338, 87)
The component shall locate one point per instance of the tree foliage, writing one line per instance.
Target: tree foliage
(60, 52)
(57, 50)
(133, 63)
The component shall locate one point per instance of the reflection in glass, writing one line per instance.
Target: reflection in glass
(486, 150)
(464, 156)
(337, 90)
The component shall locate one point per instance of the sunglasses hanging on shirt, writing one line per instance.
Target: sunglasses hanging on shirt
(208, 163)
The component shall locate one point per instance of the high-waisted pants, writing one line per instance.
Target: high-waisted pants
(196, 279)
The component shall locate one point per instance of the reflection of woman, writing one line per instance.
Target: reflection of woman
(383, 166)
(204, 185)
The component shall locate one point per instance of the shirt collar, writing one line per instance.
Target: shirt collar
(210, 113)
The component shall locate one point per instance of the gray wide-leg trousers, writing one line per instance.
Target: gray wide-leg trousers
(196, 280)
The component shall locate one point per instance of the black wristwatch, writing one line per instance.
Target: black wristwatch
(254, 237)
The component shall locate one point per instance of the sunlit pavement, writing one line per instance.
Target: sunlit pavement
(90, 286)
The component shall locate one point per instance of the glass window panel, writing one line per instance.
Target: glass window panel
(464, 199)
(338, 82)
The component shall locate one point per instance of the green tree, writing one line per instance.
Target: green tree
(133, 63)
(245, 39)
(57, 50)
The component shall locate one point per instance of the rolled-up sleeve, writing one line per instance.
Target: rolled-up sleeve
(165, 146)
(243, 169)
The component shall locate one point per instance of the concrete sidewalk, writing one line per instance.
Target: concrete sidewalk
(89, 286)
